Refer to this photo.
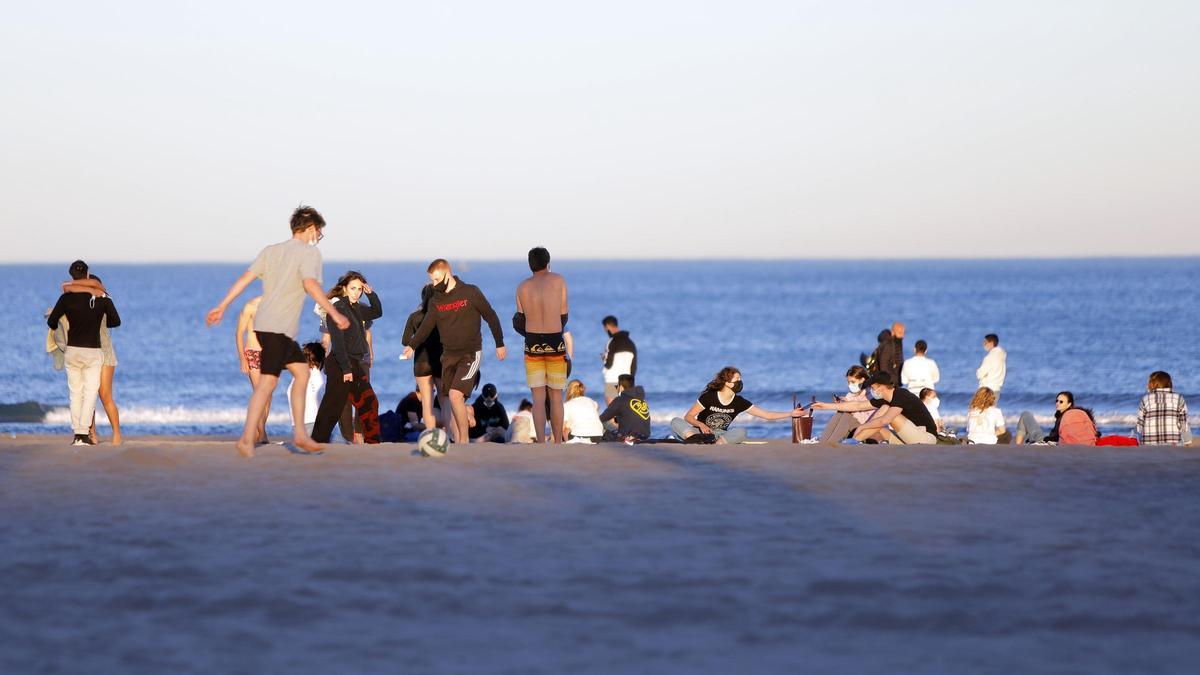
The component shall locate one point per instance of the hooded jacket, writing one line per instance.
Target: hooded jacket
(620, 357)
(631, 412)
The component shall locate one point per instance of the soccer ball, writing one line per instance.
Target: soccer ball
(433, 443)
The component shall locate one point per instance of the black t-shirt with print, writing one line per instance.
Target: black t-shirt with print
(718, 415)
(911, 407)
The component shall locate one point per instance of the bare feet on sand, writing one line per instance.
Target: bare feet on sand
(116, 439)
(307, 444)
(244, 449)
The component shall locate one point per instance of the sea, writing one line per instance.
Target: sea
(1095, 327)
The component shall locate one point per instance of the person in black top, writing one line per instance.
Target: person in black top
(427, 361)
(491, 419)
(346, 374)
(630, 410)
(457, 311)
(620, 357)
(718, 405)
(900, 415)
(84, 358)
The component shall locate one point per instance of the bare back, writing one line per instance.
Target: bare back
(543, 299)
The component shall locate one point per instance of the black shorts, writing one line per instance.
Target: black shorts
(460, 372)
(426, 364)
(278, 350)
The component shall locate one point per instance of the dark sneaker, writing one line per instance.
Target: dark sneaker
(80, 439)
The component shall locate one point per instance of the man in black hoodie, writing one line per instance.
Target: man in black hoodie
(620, 357)
(457, 311)
(83, 358)
(630, 410)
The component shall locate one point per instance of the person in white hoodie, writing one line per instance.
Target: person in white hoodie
(991, 372)
(920, 372)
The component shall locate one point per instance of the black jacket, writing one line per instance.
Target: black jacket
(352, 342)
(631, 412)
(620, 342)
(84, 311)
(457, 316)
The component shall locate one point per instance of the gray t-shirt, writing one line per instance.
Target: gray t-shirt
(283, 268)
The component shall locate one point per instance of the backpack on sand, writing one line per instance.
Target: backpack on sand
(1076, 428)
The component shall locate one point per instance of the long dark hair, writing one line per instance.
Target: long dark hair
(339, 289)
(723, 376)
(426, 296)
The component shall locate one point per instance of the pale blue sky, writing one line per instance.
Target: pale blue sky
(148, 131)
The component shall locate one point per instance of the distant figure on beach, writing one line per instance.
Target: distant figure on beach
(349, 423)
(900, 416)
(427, 363)
(490, 419)
(630, 410)
(541, 318)
(250, 357)
(89, 358)
(348, 378)
(933, 404)
(620, 357)
(1162, 417)
(290, 273)
(314, 352)
(843, 424)
(1030, 431)
(985, 421)
(95, 287)
(885, 358)
(718, 405)
(581, 415)
(993, 369)
(521, 429)
(920, 372)
(457, 311)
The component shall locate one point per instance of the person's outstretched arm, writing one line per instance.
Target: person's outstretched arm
(773, 415)
(844, 406)
(214, 315)
(313, 287)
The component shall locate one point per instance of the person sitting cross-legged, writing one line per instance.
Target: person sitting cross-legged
(899, 417)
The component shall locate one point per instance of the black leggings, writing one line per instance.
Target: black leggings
(337, 392)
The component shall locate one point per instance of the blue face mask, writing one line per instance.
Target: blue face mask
(855, 387)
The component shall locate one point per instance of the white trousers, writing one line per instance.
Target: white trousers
(83, 382)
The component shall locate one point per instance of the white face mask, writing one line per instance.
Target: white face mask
(934, 403)
(854, 387)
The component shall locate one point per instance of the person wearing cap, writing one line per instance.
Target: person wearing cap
(490, 417)
(900, 417)
(85, 312)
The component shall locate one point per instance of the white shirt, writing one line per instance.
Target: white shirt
(991, 372)
(982, 425)
(933, 405)
(316, 380)
(622, 365)
(520, 428)
(919, 372)
(582, 416)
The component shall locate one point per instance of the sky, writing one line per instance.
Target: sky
(188, 131)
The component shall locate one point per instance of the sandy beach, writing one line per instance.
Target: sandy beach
(174, 554)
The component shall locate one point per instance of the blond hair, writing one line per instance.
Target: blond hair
(984, 398)
(575, 389)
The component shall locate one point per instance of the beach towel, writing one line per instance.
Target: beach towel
(1076, 428)
(1120, 441)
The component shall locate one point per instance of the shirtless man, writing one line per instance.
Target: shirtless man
(250, 354)
(542, 317)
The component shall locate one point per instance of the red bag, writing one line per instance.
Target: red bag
(1122, 441)
(1076, 428)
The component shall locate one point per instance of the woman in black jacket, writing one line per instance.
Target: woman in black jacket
(346, 375)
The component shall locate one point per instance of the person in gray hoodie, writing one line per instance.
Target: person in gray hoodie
(630, 410)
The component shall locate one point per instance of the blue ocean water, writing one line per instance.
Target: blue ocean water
(1095, 327)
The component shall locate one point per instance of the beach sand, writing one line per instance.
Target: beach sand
(175, 554)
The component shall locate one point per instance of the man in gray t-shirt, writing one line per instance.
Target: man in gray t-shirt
(289, 271)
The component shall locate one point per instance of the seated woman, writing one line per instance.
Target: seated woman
(985, 422)
(1029, 431)
(842, 424)
(581, 416)
(1162, 415)
(718, 405)
(933, 404)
